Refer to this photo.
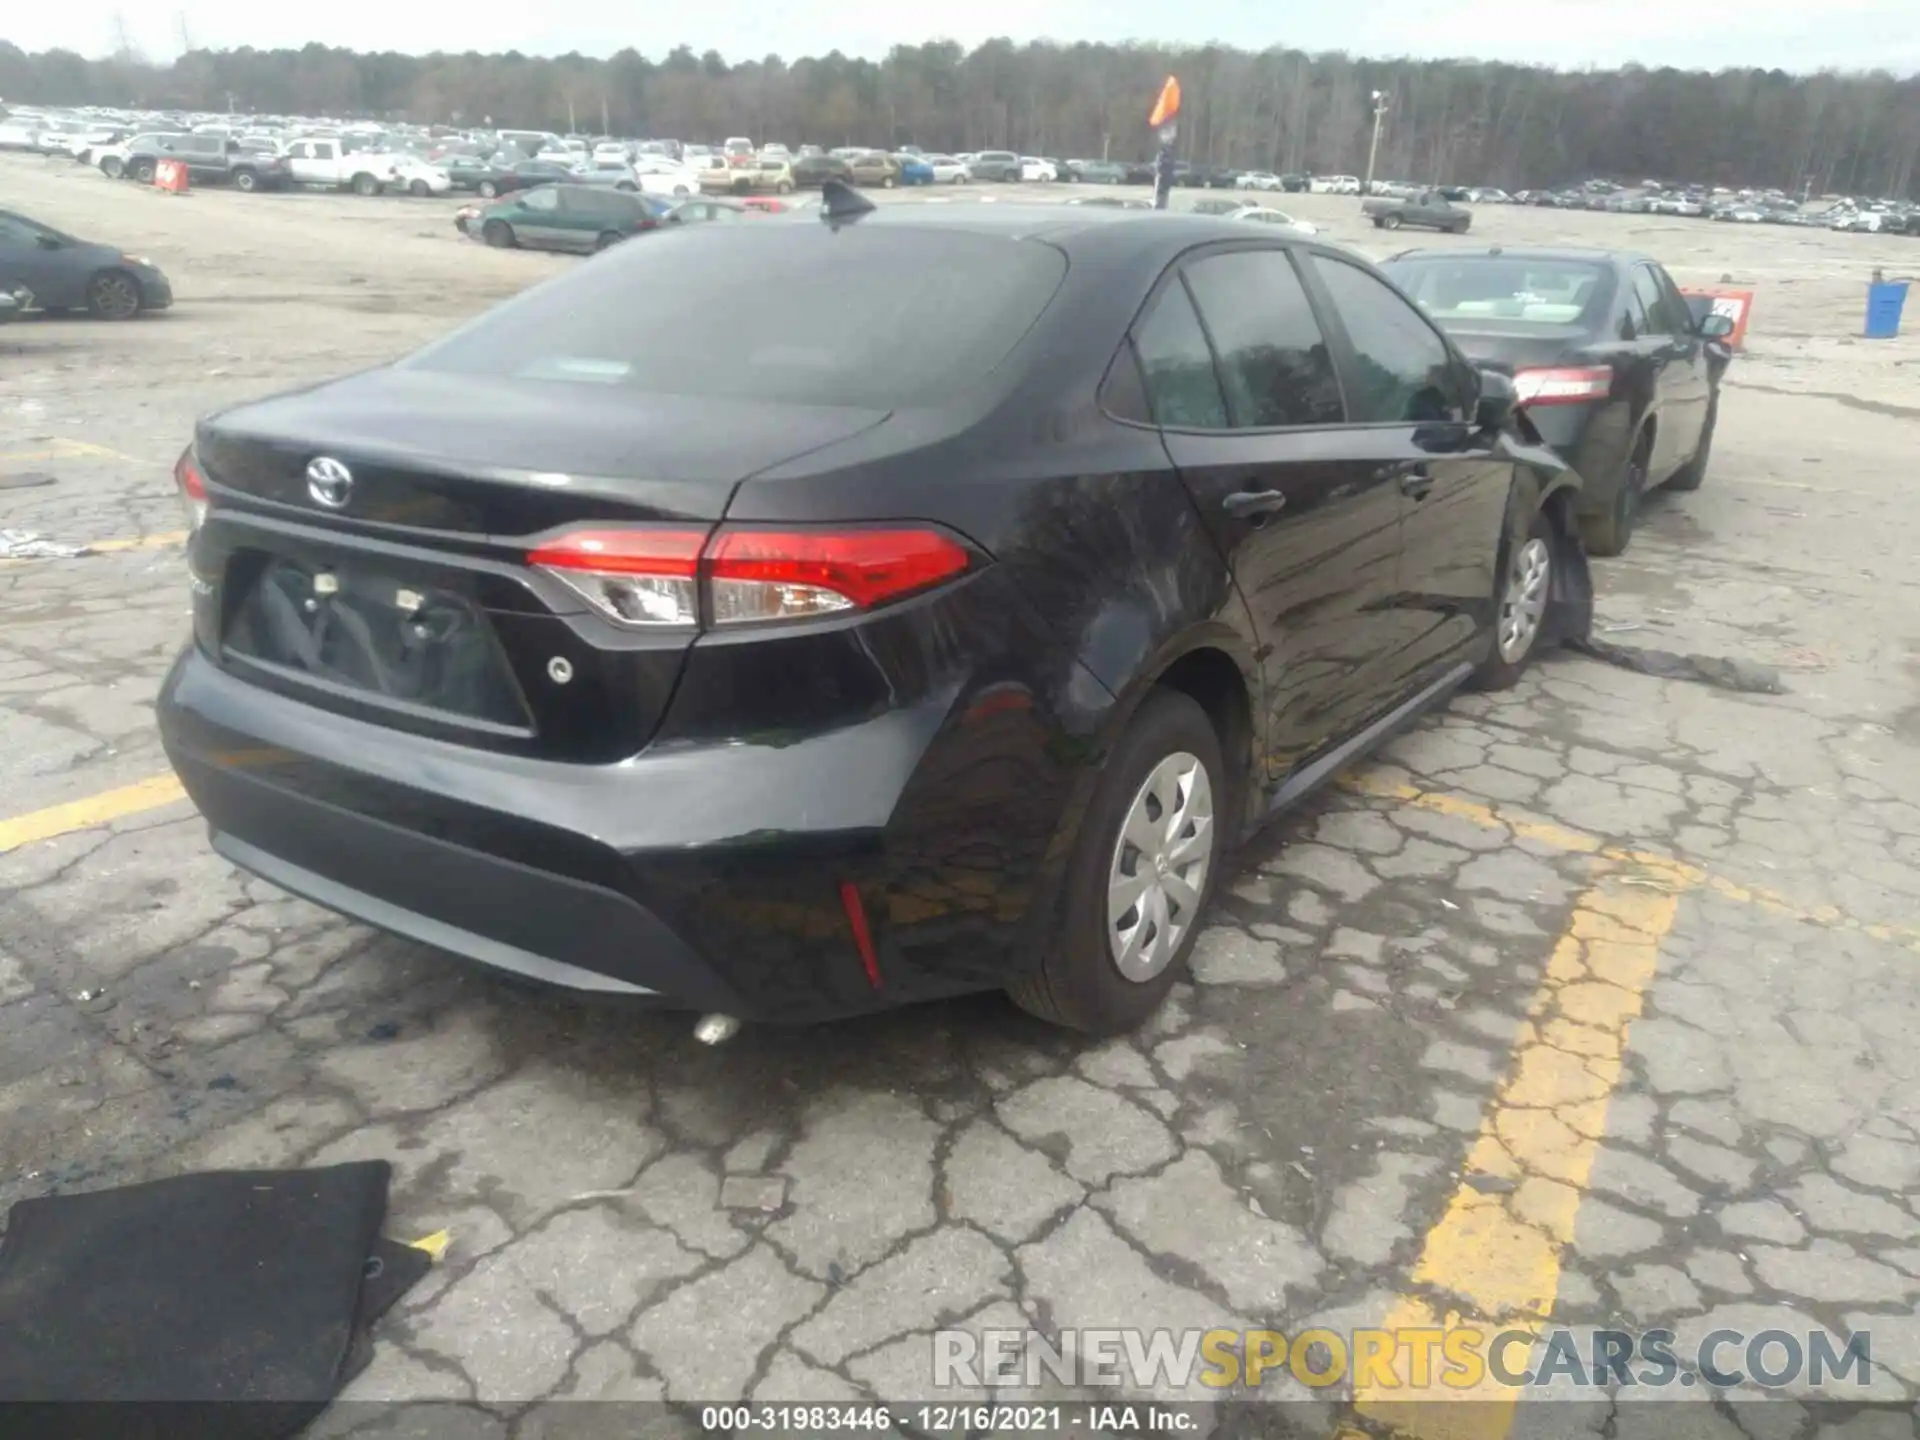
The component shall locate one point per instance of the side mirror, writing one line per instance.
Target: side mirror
(1715, 326)
(1496, 404)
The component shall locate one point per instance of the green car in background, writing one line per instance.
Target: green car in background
(579, 218)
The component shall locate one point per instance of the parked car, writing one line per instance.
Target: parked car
(524, 175)
(698, 723)
(817, 169)
(464, 172)
(564, 217)
(874, 167)
(1429, 210)
(702, 212)
(1032, 167)
(994, 165)
(334, 164)
(210, 160)
(1111, 202)
(1611, 364)
(1102, 172)
(1267, 215)
(658, 175)
(946, 169)
(56, 271)
(914, 170)
(1258, 180)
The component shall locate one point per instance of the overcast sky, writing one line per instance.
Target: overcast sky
(1795, 35)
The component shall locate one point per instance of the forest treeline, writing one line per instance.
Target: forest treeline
(1469, 122)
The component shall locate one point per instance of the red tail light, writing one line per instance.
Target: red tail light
(1563, 385)
(654, 577)
(193, 489)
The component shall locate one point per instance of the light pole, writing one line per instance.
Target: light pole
(1373, 150)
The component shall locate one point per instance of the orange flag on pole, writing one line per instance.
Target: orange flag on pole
(1167, 108)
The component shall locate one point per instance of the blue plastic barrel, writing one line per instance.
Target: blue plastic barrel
(1885, 300)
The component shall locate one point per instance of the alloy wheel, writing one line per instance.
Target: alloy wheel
(1524, 604)
(1159, 869)
(114, 297)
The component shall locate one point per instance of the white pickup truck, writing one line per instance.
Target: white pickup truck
(319, 160)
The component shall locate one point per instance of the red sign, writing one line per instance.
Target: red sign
(170, 175)
(1736, 305)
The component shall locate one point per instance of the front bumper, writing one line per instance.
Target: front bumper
(156, 293)
(706, 876)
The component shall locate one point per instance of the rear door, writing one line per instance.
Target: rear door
(1242, 381)
(1410, 397)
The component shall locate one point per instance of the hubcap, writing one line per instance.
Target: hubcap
(1159, 869)
(1525, 601)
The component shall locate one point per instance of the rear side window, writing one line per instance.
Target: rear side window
(873, 318)
(1406, 372)
(1176, 366)
(1274, 361)
(1659, 322)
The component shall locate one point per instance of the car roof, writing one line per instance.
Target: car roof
(1077, 229)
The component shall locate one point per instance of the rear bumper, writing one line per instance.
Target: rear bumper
(710, 877)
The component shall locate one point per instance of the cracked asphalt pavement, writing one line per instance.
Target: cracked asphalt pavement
(1591, 1004)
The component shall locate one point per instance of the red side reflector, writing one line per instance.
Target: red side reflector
(1563, 385)
(856, 910)
(624, 552)
(193, 488)
(866, 566)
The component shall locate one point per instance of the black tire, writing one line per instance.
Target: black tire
(1609, 534)
(886, 182)
(1077, 983)
(607, 240)
(144, 171)
(365, 184)
(783, 188)
(1503, 672)
(1690, 475)
(486, 189)
(113, 295)
(113, 167)
(419, 189)
(498, 234)
(1378, 223)
(245, 181)
(1390, 222)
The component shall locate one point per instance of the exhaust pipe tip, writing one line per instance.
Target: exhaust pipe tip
(716, 1029)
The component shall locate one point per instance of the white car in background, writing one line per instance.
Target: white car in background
(659, 175)
(612, 150)
(1032, 167)
(1257, 180)
(1267, 215)
(1334, 185)
(947, 169)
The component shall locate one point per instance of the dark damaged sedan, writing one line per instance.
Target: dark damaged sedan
(1613, 366)
(939, 629)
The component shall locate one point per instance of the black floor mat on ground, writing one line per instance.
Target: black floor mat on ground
(225, 1306)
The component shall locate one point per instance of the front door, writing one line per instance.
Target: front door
(1411, 400)
(1686, 382)
(540, 223)
(29, 263)
(1242, 381)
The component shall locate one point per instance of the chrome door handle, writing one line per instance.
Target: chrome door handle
(1253, 502)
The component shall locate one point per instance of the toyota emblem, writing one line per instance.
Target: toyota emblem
(329, 482)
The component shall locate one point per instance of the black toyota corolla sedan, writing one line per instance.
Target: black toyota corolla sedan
(935, 627)
(1612, 366)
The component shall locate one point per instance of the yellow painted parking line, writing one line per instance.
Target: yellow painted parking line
(165, 540)
(94, 810)
(1664, 869)
(1492, 1261)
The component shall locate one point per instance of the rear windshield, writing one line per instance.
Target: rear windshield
(1509, 289)
(785, 310)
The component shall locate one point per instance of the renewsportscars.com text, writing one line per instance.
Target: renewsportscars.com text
(1460, 1358)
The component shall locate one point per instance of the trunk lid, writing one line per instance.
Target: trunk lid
(1524, 347)
(410, 601)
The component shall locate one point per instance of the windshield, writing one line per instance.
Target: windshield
(1509, 289)
(872, 318)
